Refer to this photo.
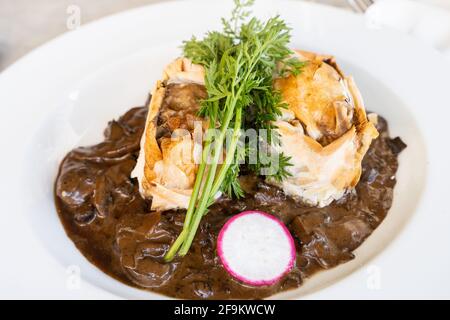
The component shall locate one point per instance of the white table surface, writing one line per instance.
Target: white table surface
(26, 24)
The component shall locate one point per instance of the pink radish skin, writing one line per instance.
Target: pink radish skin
(265, 282)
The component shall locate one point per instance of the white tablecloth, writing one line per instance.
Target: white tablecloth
(26, 24)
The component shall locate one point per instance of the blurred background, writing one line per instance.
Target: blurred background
(26, 24)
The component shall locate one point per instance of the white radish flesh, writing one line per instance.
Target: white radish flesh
(256, 248)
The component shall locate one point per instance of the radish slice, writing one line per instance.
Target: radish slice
(256, 248)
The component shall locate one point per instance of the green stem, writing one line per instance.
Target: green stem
(175, 246)
(204, 199)
(199, 177)
(192, 201)
(230, 153)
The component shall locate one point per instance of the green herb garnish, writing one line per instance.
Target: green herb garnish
(239, 63)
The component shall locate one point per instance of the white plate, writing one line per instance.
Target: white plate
(62, 95)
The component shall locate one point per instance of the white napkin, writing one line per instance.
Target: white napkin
(428, 20)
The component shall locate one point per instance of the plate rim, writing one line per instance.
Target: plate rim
(18, 64)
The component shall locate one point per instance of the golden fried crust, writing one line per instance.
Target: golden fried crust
(318, 97)
(330, 108)
(152, 151)
(166, 171)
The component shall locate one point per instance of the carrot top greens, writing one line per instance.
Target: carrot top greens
(239, 63)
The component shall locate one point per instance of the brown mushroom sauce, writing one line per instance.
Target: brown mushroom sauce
(112, 225)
